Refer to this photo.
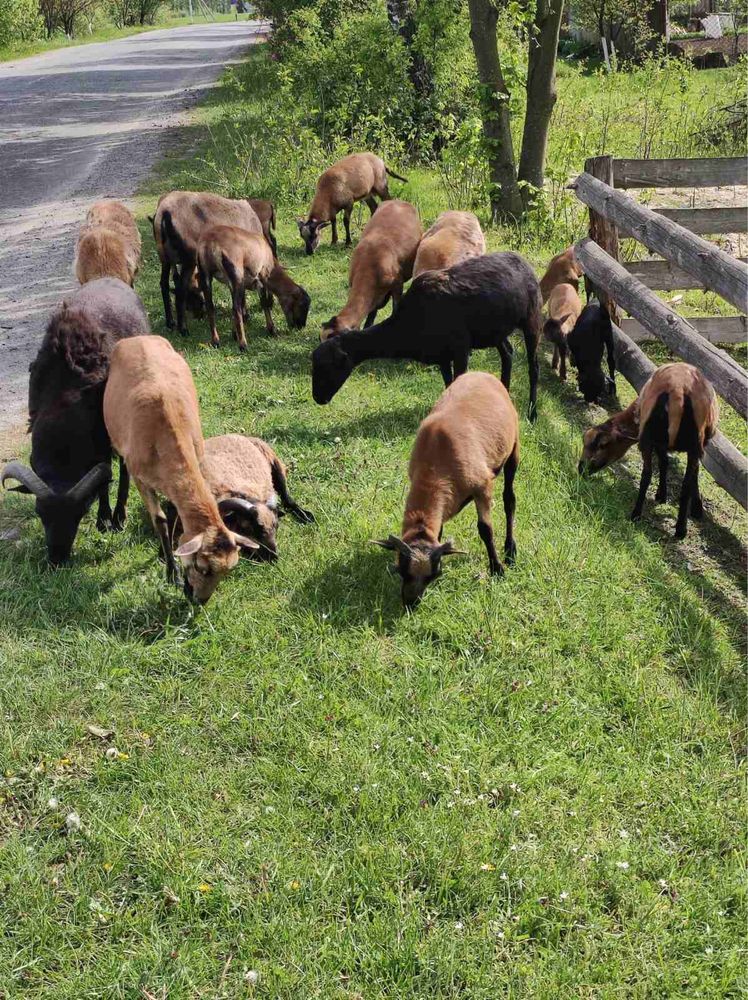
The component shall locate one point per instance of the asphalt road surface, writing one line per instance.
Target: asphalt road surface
(79, 124)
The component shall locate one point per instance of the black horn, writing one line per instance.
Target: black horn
(27, 478)
(93, 479)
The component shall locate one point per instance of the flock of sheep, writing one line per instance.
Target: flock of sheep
(102, 381)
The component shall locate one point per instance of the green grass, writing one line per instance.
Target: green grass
(106, 33)
(529, 788)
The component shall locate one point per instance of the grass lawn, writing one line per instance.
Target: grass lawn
(22, 50)
(532, 787)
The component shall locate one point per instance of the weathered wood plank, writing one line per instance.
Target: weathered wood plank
(711, 171)
(715, 329)
(665, 276)
(722, 460)
(603, 232)
(707, 220)
(727, 376)
(717, 269)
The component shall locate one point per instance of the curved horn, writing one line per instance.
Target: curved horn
(237, 505)
(27, 477)
(395, 544)
(93, 479)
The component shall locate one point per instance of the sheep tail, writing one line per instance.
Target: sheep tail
(396, 176)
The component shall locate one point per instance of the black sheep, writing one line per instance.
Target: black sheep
(70, 449)
(442, 318)
(592, 334)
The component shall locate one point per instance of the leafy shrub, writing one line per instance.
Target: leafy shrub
(19, 21)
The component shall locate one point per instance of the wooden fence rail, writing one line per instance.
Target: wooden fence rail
(708, 171)
(728, 377)
(722, 460)
(715, 268)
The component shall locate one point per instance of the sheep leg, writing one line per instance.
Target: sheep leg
(505, 353)
(334, 230)
(266, 301)
(460, 363)
(371, 202)
(562, 369)
(123, 489)
(104, 513)
(646, 479)
(181, 287)
(371, 317)
(160, 525)
(531, 346)
(397, 294)
(206, 287)
(280, 485)
(237, 296)
(347, 212)
(166, 295)
(510, 504)
(556, 356)
(446, 370)
(485, 530)
(661, 494)
(690, 480)
(697, 507)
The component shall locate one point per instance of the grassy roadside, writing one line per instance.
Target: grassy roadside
(23, 50)
(530, 788)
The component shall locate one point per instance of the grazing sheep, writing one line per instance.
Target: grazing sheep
(677, 410)
(354, 178)
(248, 479)
(592, 334)
(563, 269)
(71, 455)
(244, 260)
(564, 307)
(179, 222)
(381, 264)
(454, 237)
(444, 316)
(108, 244)
(153, 418)
(470, 436)
(265, 212)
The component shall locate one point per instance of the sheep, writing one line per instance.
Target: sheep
(354, 178)
(592, 333)
(564, 307)
(677, 410)
(470, 436)
(564, 268)
(180, 218)
(443, 317)
(265, 212)
(153, 419)
(454, 237)
(381, 264)
(244, 260)
(248, 479)
(71, 454)
(108, 244)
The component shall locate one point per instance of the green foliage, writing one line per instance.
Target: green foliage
(19, 21)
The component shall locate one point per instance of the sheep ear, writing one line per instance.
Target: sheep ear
(189, 548)
(300, 223)
(243, 542)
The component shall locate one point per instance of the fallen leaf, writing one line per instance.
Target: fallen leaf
(99, 732)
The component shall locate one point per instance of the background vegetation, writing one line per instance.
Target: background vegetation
(530, 788)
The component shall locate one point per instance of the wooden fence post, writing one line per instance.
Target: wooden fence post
(603, 232)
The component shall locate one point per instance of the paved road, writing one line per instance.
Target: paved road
(75, 125)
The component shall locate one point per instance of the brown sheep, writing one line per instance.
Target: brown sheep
(244, 260)
(108, 244)
(564, 268)
(454, 237)
(564, 308)
(381, 264)
(153, 418)
(471, 434)
(354, 178)
(181, 217)
(677, 410)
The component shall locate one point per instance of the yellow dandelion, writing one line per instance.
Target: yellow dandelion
(205, 887)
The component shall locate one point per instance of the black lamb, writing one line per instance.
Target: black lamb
(592, 334)
(442, 318)
(70, 449)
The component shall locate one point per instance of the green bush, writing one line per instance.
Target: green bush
(19, 21)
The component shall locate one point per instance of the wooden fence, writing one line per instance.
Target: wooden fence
(687, 256)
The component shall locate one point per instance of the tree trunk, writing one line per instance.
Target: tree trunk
(541, 94)
(506, 201)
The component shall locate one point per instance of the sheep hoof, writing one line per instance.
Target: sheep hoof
(636, 515)
(243, 348)
(215, 344)
(169, 324)
(660, 497)
(497, 569)
(184, 331)
(104, 525)
(118, 520)
(697, 511)
(680, 533)
(510, 554)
